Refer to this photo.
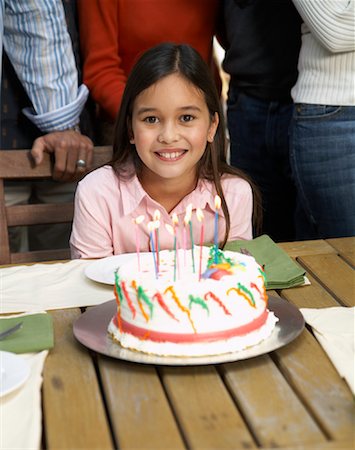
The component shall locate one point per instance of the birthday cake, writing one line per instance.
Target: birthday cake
(214, 306)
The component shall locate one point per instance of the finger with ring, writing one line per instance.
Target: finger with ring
(80, 163)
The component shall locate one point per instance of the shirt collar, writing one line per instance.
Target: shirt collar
(133, 194)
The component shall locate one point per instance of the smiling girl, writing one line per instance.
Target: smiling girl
(169, 153)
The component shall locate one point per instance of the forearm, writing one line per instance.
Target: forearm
(331, 22)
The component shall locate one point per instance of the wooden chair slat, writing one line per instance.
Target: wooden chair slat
(39, 213)
(18, 165)
(5, 255)
(40, 256)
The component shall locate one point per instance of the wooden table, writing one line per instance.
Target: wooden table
(290, 398)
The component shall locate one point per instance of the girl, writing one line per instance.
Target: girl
(169, 153)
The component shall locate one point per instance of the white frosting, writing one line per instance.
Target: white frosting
(231, 345)
(240, 300)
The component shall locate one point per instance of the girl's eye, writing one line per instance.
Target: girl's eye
(187, 118)
(151, 119)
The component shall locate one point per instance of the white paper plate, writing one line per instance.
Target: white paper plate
(14, 371)
(103, 270)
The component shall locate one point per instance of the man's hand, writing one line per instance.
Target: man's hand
(68, 148)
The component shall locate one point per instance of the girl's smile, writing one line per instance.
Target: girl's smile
(170, 128)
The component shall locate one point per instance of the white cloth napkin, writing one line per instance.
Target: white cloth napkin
(21, 410)
(50, 286)
(334, 329)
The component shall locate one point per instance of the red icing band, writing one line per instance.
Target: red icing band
(158, 336)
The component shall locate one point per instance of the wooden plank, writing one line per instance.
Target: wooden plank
(261, 392)
(19, 163)
(334, 274)
(334, 445)
(309, 296)
(308, 369)
(4, 234)
(138, 408)
(204, 409)
(49, 256)
(74, 413)
(345, 247)
(303, 248)
(39, 213)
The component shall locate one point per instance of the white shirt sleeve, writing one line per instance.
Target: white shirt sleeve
(332, 22)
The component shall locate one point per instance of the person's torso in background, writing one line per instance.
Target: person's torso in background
(262, 40)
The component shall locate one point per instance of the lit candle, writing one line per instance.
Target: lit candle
(186, 223)
(217, 204)
(171, 230)
(189, 214)
(156, 219)
(151, 228)
(136, 222)
(175, 221)
(200, 217)
(156, 234)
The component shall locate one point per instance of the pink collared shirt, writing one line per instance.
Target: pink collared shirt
(106, 206)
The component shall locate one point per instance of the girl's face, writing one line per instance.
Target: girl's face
(170, 129)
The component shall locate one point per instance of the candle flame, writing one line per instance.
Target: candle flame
(175, 219)
(217, 202)
(156, 224)
(170, 229)
(138, 220)
(199, 214)
(151, 226)
(188, 214)
(156, 215)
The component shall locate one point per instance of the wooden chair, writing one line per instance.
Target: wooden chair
(18, 165)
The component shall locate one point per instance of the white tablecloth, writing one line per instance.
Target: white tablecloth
(50, 286)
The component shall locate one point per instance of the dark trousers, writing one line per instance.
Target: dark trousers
(259, 137)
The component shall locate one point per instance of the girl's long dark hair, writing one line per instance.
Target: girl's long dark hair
(155, 64)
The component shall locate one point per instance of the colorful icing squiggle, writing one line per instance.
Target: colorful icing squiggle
(218, 301)
(198, 301)
(177, 301)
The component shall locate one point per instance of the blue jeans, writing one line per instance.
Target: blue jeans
(323, 163)
(259, 138)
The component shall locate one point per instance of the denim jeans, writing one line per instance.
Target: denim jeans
(259, 138)
(322, 151)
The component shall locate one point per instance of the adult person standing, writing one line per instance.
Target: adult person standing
(323, 126)
(262, 41)
(114, 33)
(36, 40)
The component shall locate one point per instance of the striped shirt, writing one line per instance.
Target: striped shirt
(35, 37)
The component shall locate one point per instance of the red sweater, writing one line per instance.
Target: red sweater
(113, 33)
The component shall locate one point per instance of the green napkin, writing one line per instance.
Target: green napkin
(281, 271)
(36, 333)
